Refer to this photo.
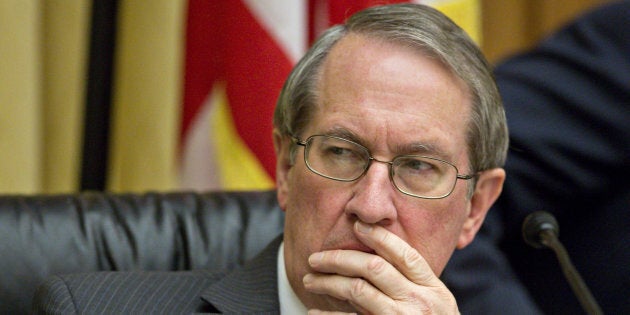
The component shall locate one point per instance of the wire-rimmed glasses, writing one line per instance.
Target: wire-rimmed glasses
(344, 160)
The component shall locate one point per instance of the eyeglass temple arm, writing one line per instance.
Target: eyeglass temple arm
(297, 141)
(467, 176)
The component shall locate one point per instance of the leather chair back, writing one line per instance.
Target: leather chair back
(42, 235)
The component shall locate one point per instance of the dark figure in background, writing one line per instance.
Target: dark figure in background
(568, 108)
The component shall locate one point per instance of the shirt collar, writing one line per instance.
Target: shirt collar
(289, 301)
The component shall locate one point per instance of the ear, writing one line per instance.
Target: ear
(282, 145)
(487, 190)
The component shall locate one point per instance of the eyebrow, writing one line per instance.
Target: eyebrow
(345, 133)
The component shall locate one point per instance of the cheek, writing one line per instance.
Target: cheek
(314, 206)
(433, 228)
(313, 210)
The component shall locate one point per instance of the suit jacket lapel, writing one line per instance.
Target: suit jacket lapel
(250, 289)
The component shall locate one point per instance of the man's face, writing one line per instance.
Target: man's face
(394, 101)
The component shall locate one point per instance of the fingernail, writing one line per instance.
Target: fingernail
(363, 228)
(315, 258)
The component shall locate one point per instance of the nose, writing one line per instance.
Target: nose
(372, 200)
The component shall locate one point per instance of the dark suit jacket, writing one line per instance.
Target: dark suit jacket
(251, 289)
(568, 108)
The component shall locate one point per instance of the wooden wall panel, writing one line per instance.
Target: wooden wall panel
(510, 26)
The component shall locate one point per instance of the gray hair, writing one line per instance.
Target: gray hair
(436, 36)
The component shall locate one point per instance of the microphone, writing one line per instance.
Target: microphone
(540, 229)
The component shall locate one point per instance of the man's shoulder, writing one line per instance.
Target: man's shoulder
(125, 292)
(246, 289)
(142, 275)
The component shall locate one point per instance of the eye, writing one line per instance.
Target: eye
(415, 165)
(341, 151)
(338, 151)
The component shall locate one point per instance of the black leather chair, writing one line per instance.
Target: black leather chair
(57, 234)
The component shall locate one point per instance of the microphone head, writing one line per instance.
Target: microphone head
(535, 223)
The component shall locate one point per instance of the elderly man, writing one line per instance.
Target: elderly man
(390, 137)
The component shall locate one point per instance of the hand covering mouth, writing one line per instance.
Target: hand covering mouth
(355, 246)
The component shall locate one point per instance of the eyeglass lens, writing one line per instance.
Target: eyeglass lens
(344, 160)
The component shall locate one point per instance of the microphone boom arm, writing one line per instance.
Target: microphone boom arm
(549, 239)
(540, 229)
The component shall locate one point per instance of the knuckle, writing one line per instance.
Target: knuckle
(376, 265)
(358, 288)
(390, 308)
(418, 299)
(421, 304)
(411, 257)
(384, 238)
(433, 303)
(335, 257)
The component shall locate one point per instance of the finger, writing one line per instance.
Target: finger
(399, 253)
(320, 312)
(356, 291)
(356, 264)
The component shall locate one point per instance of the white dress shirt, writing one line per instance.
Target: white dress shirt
(289, 302)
